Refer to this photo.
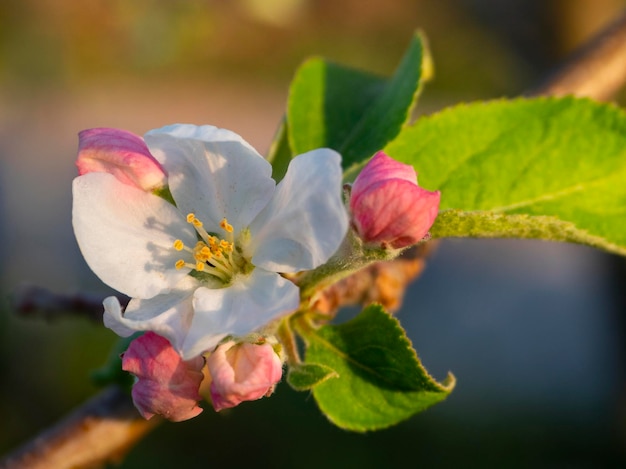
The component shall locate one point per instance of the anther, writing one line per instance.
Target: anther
(226, 226)
(180, 264)
(178, 245)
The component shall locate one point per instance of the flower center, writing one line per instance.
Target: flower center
(212, 255)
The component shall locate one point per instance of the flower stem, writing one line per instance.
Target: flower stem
(287, 339)
(352, 255)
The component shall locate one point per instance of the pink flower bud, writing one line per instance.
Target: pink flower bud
(120, 153)
(242, 372)
(388, 207)
(166, 385)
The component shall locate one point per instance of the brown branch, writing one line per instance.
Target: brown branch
(104, 428)
(37, 302)
(101, 430)
(597, 70)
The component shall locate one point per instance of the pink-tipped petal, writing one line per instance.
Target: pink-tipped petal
(166, 385)
(242, 372)
(388, 207)
(121, 153)
(381, 167)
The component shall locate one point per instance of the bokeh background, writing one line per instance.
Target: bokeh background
(534, 331)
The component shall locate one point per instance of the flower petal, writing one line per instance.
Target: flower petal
(382, 167)
(126, 235)
(205, 133)
(305, 222)
(121, 153)
(251, 302)
(213, 173)
(168, 315)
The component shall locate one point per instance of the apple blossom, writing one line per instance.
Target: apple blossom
(166, 385)
(242, 372)
(388, 207)
(207, 266)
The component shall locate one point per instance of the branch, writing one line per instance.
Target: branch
(597, 70)
(101, 430)
(37, 302)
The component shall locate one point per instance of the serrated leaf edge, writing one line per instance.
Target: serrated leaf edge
(445, 386)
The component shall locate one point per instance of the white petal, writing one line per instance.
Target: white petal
(213, 173)
(113, 318)
(251, 302)
(305, 222)
(126, 235)
(168, 315)
(206, 133)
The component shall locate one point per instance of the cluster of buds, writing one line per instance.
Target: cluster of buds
(387, 210)
(168, 386)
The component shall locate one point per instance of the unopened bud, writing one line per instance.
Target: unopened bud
(166, 385)
(122, 154)
(388, 207)
(242, 372)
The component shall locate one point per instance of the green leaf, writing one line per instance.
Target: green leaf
(381, 381)
(544, 168)
(351, 111)
(279, 154)
(111, 372)
(305, 376)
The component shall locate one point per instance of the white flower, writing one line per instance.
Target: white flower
(207, 267)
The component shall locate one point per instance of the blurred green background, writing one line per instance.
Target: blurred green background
(533, 331)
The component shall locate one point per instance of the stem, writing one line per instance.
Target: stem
(288, 340)
(302, 324)
(351, 257)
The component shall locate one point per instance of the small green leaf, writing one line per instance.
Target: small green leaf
(381, 381)
(305, 376)
(353, 112)
(111, 372)
(528, 168)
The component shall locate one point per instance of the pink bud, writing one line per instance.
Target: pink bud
(387, 205)
(242, 372)
(166, 385)
(120, 153)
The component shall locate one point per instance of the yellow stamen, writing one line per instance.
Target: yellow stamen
(211, 254)
(226, 226)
